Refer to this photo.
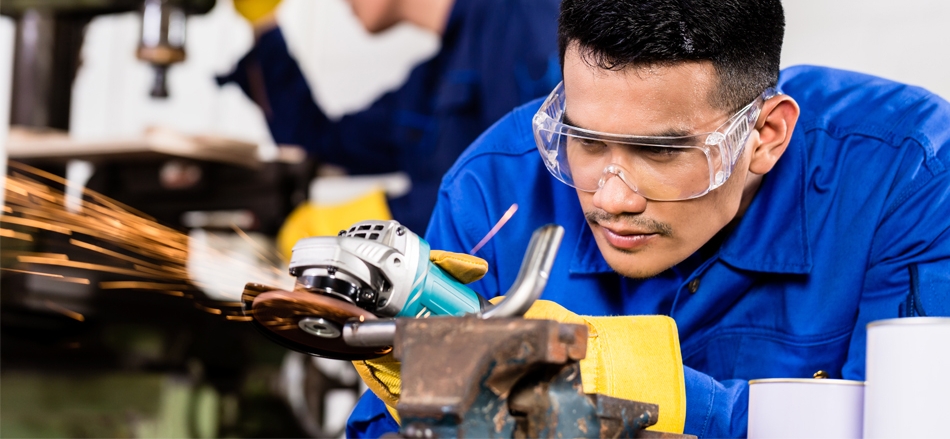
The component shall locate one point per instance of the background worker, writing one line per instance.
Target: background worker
(494, 55)
(772, 215)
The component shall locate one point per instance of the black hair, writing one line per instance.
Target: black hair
(742, 39)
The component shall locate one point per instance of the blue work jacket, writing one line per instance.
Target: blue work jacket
(494, 56)
(852, 225)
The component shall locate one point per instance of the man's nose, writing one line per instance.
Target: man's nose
(616, 197)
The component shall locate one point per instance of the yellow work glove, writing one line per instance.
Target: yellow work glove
(381, 375)
(312, 219)
(255, 10)
(630, 357)
(464, 267)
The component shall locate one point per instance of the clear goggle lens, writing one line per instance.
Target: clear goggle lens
(658, 168)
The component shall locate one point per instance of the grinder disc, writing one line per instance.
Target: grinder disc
(278, 313)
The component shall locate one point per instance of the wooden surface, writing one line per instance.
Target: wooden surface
(28, 143)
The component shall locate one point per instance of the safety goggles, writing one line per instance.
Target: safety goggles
(657, 168)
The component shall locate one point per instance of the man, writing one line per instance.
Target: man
(773, 216)
(494, 56)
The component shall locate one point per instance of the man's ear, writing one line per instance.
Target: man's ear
(775, 126)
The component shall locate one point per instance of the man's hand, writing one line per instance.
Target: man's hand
(464, 267)
(630, 357)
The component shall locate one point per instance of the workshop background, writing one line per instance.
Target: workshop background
(148, 365)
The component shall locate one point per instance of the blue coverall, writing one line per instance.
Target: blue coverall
(851, 226)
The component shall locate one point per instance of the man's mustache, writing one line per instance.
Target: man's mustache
(647, 224)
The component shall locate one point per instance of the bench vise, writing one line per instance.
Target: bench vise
(505, 378)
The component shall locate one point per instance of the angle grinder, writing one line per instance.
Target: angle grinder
(349, 288)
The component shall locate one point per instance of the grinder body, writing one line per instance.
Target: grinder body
(383, 268)
(352, 288)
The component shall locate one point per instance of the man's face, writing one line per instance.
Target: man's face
(376, 15)
(639, 237)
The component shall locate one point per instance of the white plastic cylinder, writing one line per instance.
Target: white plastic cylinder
(908, 378)
(805, 408)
